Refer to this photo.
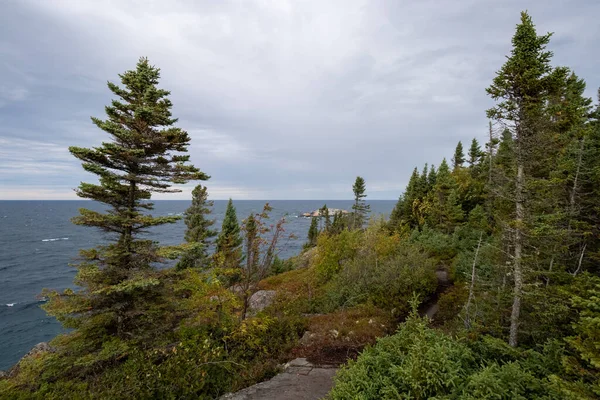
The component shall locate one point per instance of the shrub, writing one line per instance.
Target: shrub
(421, 363)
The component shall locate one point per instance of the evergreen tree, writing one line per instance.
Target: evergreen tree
(431, 179)
(475, 153)
(424, 181)
(403, 210)
(118, 280)
(360, 207)
(522, 88)
(229, 241)
(459, 156)
(445, 209)
(198, 231)
(313, 233)
(339, 223)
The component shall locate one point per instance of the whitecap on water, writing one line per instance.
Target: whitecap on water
(10, 304)
(54, 239)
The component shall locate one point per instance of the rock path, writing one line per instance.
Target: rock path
(300, 380)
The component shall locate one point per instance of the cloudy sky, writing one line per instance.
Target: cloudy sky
(282, 99)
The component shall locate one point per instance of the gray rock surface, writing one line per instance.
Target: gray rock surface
(261, 300)
(38, 349)
(300, 380)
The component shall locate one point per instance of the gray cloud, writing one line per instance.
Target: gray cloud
(282, 99)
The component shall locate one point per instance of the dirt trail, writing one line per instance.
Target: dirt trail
(431, 307)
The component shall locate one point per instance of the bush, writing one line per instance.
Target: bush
(421, 363)
(387, 283)
(333, 251)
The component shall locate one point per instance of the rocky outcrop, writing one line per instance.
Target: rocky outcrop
(35, 352)
(303, 259)
(300, 380)
(261, 300)
(332, 212)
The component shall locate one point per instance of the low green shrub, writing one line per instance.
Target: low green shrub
(421, 363)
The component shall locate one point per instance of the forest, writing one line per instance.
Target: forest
(513, 222)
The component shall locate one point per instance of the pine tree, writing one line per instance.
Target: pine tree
(198, 231)
(143, 156)
(522, 88)
(445, 210)
(475, 153)
(313, 232)
(431, 179)
(360, 207)
(459, 156)
(424, 181)
(229, 241)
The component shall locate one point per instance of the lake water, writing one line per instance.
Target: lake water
(38, 241)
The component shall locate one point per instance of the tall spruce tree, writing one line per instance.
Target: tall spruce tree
(475, 153)
(229, 241)
(522, 88)
(198, 231)
(431, 179)
(142, 156)
(459, 156)
(360, 207)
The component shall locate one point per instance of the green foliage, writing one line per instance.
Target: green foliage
(360, 207)
(333, 251)
(385, 281)
(459, 156)
(198, 231)
(475, 153)
(229, 241)
(280, 266)
(421, 363)
(582, 365)
(313, 233)
(119, 284)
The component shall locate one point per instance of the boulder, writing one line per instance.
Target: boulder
(307, 338)
(261, 300)
(35, 352)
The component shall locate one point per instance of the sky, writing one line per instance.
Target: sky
(282, 99)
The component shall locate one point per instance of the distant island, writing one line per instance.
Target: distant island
(321, 212)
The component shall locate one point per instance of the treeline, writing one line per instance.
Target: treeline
(517, 225)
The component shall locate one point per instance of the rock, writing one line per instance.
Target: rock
(300, 380)
(35, 352)
(261, 300)
(307, 338)
(39, 348)
(303, 259)
(3, 374)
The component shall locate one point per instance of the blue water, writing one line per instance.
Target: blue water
(38, 241)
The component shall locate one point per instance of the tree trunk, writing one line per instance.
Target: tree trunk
(491, 154)
(575, 181)
(127, 235)
(472, 287)
(517, 262)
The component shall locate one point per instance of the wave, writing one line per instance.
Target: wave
(27, 304)
(54, 239)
